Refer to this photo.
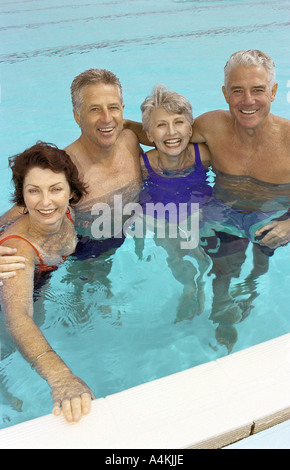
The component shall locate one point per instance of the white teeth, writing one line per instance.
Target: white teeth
(47, 212)
(107, 130)
(172, 142)
(248, 112)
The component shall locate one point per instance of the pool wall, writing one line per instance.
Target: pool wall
(206, 407)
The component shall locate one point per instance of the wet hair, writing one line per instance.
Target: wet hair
(45, 156)
(92, 77)
(249, 58)
(170, 101)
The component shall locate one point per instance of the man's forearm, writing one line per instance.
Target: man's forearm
(10, 216)
(138, 130)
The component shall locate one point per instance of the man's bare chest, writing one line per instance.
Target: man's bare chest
(268, 162)
(103, 180)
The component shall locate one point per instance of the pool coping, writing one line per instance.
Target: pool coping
(207, 407)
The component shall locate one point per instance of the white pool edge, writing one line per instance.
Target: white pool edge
(207, 407)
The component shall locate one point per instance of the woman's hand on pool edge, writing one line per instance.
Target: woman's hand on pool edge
(71, 396)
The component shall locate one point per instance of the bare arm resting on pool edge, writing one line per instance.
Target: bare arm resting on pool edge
(68, 391)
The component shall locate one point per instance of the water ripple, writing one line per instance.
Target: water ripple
(120, 2)
(53, 7)
(116, 45)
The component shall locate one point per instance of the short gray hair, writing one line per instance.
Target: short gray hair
(171, 101)
(91, 77)
(249, 58)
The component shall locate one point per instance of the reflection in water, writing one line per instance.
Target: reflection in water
(244, 192)
(240, 205)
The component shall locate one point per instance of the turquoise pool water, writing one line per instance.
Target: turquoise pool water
(115, 324)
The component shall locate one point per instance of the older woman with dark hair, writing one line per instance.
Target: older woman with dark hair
(46, 185)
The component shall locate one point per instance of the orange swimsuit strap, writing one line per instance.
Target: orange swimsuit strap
(42, 265)
(22, 238)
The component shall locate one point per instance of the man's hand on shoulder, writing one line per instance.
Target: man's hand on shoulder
(10, 262)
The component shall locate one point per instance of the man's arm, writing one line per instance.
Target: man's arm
(208, 126)
(9, 262)
(278, 234)
(138, 130)
(197, 131)
(11, 215)
(200, 126)
(204, 124)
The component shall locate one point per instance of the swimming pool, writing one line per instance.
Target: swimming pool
(123, 336)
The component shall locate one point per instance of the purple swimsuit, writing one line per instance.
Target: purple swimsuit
(193, 187)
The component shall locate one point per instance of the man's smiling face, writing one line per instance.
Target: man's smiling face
(101, 114)
(249, 95)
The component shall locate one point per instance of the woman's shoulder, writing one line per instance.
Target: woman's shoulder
(17, 236)
(13, 238)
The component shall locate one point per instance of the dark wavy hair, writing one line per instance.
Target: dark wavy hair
(46, 156)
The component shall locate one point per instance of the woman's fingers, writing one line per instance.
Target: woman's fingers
(73, 409)
(86, 403)
(67, 410)
(56, 409)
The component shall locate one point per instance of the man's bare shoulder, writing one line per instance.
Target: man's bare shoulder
(212, 117)
(286, 125)
(129, 136)
(282, 123)
(130, 140)
(280, 132)
(207, 124)
(71, 149)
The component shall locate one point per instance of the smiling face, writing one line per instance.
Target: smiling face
(46, 195)
(101, 115)
(249, 95)
(169, 132)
